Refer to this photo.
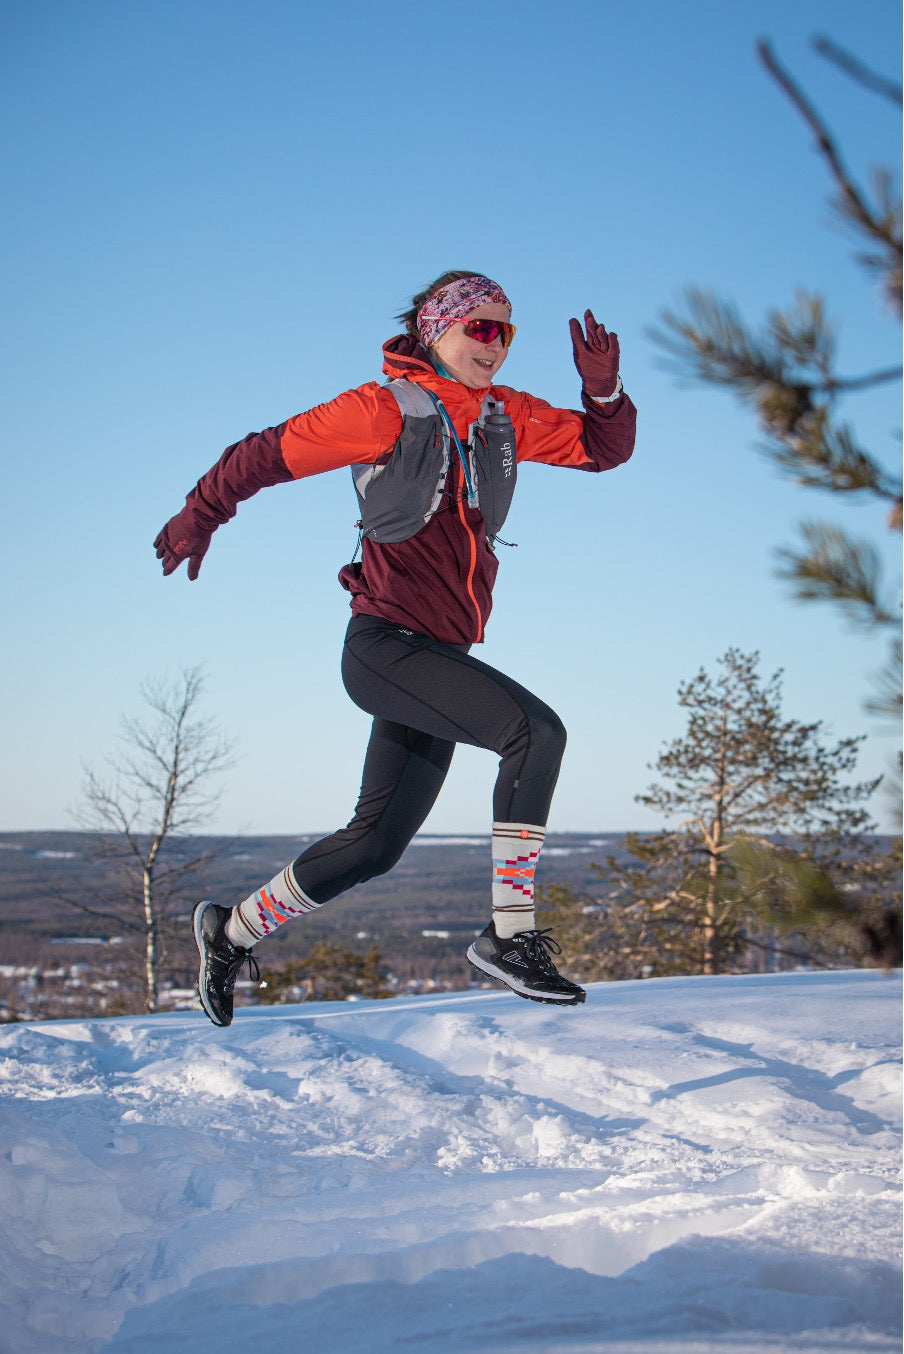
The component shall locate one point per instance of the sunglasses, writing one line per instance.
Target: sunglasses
(487, 331)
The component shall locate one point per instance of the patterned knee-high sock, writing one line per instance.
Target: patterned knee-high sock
(275, 903)
(516, 847)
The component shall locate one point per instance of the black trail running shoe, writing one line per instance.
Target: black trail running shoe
(220, 961)
(525, 965)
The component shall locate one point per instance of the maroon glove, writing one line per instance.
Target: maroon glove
(184, 537)
(596, 356)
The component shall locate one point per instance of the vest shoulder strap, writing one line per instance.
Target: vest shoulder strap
(411, 398)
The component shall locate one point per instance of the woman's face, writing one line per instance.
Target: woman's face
(474, 364)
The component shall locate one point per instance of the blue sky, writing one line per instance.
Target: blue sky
(214, 210)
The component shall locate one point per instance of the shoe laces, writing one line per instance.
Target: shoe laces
(539, 946)
(234, 963)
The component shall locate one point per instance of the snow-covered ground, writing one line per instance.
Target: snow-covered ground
(687, 1165)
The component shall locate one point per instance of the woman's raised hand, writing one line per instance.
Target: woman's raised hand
(596, 356)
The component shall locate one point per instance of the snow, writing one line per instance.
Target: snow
(682, 1166)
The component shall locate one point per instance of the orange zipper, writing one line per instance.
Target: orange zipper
(472, 543)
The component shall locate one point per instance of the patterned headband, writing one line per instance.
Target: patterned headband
(455, 301)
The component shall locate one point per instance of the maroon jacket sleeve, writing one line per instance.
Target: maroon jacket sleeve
(252, 464)
(609, 432)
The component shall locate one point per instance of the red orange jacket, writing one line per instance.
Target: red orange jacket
(440, 581)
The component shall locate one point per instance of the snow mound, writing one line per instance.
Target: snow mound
(682, 1166)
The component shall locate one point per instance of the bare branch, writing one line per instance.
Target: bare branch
(885, 228)
(115, 918)
(879, 84)
(865, 382)
(823, 138)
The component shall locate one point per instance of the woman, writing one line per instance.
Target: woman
(434, 456)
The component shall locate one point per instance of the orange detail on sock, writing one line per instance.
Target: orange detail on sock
(272, 907)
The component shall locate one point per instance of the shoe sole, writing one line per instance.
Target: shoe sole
(511, 982)
(200, 909)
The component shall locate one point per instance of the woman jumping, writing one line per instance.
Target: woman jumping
(434, 455)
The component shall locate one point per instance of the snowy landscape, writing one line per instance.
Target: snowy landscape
(682, 1166)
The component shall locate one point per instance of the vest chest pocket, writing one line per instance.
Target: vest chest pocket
(493, 451)
(398, 497)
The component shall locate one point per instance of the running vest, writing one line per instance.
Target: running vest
(398, 498)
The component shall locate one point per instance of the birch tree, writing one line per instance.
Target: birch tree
(156, 790)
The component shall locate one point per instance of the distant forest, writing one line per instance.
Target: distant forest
(56, 959)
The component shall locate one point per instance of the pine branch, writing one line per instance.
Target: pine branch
(713, 345)
(838, 569)
(821, 456)
(771, 946)
(888, 700)
(780, 372)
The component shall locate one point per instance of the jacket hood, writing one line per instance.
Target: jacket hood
(407, 356)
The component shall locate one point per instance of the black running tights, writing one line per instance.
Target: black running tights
(426, 697)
